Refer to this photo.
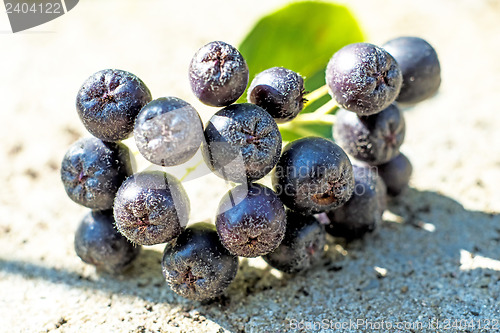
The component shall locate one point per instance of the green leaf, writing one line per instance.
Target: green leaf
(297, 131)
(301, 36)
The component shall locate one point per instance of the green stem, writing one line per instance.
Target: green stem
(321, 114)
(296, 128)
(316, 94)
(326, 108)
(191, 169)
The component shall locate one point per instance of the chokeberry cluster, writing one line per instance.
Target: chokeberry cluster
(337, 185)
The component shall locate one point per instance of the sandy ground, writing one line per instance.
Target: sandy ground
(439, 246)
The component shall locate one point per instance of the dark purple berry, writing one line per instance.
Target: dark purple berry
(381, 193)
(372, 171)
(168, 131)
(109, 101)
(396, 174)
(92, 171)
(419, 64)
(196, 265)
(363, 78)
(151, 207)
(363, 212)
(251, 220)
(373, 139)
(279, 91)
(218, 74)
(243, 143)
(98, 243)
(313, 175)
(302, 247)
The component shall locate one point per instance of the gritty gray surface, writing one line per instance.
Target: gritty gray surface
(436, 256)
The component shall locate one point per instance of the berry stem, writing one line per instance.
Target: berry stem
(325, 109)
(296, 128)
(297, 125)
(316, 94)
(320, 115)
(191, 169)
(313, 118)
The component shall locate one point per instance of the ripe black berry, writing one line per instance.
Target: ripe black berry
(218, 74)
(302, 246)
(279, 91)
(243, 143)
(381, 193)
(251, 220)
(196, 265)
(109, 101)
(168, 131)
(363, 78)
(92, 171)
(151, 207)
(362, 213)
(419, 64)
(313, 175)
(374, 139)
(98, 243)
(396, 174)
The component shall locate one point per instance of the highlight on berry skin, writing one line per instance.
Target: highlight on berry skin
(168, 131)
(92, 170)
(279, 91)
(151, 207)
(242, 143)
(419, 65)
(218, 74)
(363, 78)
(313, 175)
(109, 101)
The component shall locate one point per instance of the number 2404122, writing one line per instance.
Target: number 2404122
(40, 8)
